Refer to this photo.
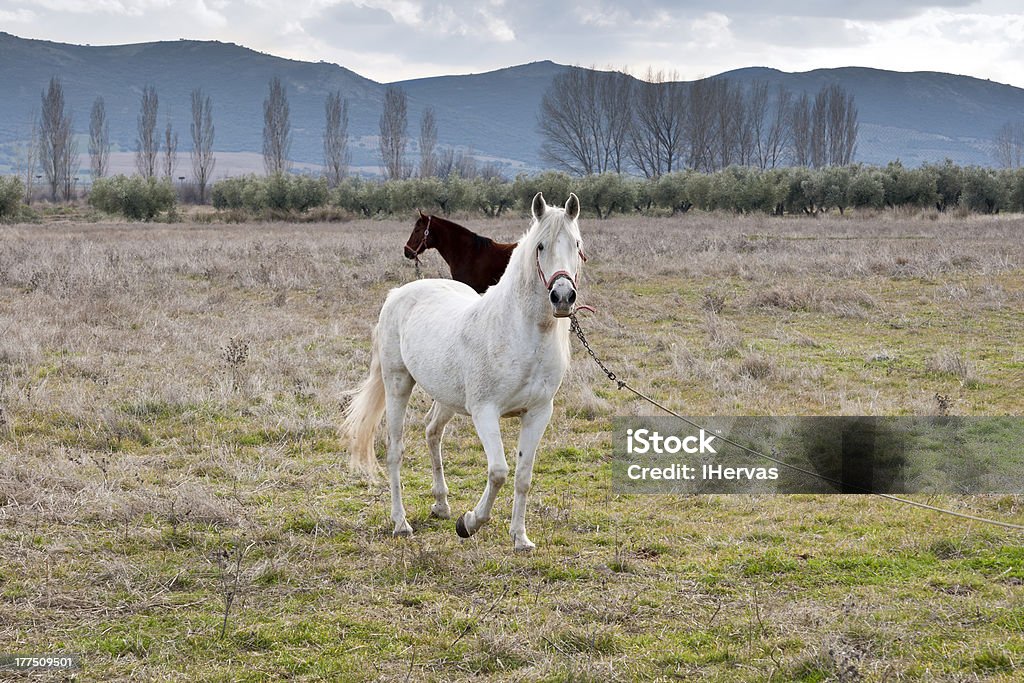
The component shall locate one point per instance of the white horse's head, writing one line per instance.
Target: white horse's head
(557, 248)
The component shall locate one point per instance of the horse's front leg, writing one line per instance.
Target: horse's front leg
(487, 426)
(535, 421)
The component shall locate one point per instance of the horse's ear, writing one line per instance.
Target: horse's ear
(422, 215)
(539, 206)
(572, 206)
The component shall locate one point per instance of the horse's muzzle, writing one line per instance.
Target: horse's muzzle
(563, 298)
(410, 253)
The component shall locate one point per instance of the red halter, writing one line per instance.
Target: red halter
(549, 283)
(423, 242)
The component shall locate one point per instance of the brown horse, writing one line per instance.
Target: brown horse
(474, 259)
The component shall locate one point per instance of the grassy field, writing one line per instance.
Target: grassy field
(174, 501)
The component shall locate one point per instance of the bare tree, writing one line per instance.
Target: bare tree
(428, 143)
(733, 142)
(336, 154)
(26, 157)
(841, 125)
(819, 130)
(851, 130)
(776, 136)
(701, 125)
(147, 144)
(58, 152)
(757, 120)
(202, 131)
(659, 122)
(170, 151)
(277, 130)
(99, 140)
(833, 127)
(585, 118)
(615, 98)
(801, 131)
(445, 164)
(466, 164)
(394, 134)
(451, 161)
(1008, 145)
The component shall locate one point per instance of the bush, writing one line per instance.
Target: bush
(555, 186)
(909, 187)
(866, 189)
(134, 197)
(363, 197)
(983, 190)
(492, 196)
(12, 191)
(280, 192)
(605, 193)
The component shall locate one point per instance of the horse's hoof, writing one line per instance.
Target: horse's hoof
(460, 527)
(521, 544)
(440, 511)
(402, 530)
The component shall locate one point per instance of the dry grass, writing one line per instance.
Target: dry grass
(169, 396)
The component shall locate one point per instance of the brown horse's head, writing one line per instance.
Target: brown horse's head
(421, 238)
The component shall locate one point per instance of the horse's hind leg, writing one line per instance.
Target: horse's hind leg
(398, 386)
(437, 418)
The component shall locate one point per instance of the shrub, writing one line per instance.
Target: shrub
(12, 191)
(362, 197)
(555, 185)
(240, 192)
(605, 193)
(983, 190)
(280, 192)
(134, 197)
(909, 187)
(866, 189)
(949, 180)
(492, 196)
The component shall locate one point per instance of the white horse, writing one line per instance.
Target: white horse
(498, 355)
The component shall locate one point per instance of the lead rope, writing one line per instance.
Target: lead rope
(574, 326)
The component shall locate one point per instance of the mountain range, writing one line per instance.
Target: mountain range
(914, 117)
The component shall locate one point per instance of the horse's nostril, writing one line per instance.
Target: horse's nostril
(572, 296)
(554, 297)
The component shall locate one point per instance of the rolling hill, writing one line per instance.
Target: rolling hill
(915, 117)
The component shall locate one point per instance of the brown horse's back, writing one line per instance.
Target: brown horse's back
(483, 265)
(473, 259)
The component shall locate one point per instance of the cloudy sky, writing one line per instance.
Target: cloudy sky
(390, 40)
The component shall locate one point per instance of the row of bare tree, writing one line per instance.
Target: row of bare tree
(56, 149)
(594, 121)
(435, 161)
(591, 121)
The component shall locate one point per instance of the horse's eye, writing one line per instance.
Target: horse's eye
(540, 247)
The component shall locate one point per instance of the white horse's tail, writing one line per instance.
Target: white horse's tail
(363, 415)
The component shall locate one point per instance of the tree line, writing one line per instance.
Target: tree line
(593, 122)
(650, 145)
